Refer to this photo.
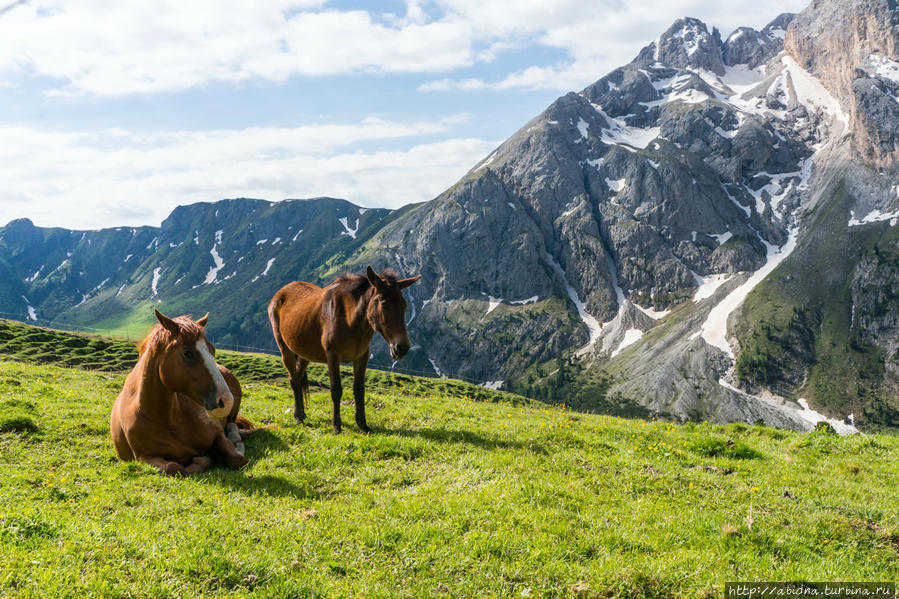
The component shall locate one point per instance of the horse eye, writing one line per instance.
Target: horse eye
(188, 354)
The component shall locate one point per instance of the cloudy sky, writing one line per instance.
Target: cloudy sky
(113, 113)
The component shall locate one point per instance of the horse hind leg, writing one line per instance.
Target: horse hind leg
(292, 364)
(198, 464)
(166, 466)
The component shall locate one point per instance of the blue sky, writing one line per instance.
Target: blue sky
(113, 113)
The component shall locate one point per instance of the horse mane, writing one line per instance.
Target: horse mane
(357, 285)
(160, 336)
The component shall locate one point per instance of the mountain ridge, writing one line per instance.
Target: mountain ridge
(620, 240)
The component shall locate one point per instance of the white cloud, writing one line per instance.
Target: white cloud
(113, 49)
(114, 177)
(597, 36)
(139, 46)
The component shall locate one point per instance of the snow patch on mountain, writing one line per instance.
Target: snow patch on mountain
(884, 67)
(264, 272)
(593, 325)
(631, 336)
(875, 216)
(583, 126)
(722, 238)
(714, 329)
(708, 285)
(813, 418)
(616, 185)
(211, 276)
(621, 134)
(348, 230)
(154, 285)
(32, 315)
(811, 93)
(437, 369)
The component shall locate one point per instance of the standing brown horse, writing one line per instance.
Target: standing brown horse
(335, 324)
(177, 402)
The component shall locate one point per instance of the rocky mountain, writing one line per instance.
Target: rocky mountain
(227, 257)
(706, 232)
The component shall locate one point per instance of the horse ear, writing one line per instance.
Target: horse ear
(167, 322)
(202, 322)
(373, 278)
(403, 283)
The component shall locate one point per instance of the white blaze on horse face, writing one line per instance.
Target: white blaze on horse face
(223, 393)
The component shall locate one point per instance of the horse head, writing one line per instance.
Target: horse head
(387, 310)
(187, 364)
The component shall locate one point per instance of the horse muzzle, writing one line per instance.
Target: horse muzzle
(398, 350)
(218, 405)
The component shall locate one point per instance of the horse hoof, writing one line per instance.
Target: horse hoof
(364, 428)
(174, 469)
(336, 430)
(299, 418)
(202, 461)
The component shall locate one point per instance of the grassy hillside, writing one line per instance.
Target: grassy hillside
(451, 497)
(38, 345)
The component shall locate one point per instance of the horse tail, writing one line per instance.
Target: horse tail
(246, 428)
(274, 317)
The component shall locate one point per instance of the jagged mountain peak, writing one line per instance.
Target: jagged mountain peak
(688, 43)
(746, 46)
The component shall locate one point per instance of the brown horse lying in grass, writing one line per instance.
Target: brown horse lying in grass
(177, 403)
(335, 324)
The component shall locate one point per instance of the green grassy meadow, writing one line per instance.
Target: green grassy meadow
(460, 492)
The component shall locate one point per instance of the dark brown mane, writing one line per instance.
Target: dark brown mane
(160, 336)
(357, 285)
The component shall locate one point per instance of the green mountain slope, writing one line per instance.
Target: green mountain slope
(806, 331)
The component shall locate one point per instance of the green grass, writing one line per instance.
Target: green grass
(450, 497)
(39, 345)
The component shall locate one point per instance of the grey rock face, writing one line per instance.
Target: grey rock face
(875, 299)
(687, 44)
(844, 43)
(752, 48)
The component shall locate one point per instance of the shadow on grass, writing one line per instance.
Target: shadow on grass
(266, 484)
(264, 441)
(258, 445)
(463, 437)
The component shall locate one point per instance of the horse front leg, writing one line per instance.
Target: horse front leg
(336, 390)
(224, 451)
(359, 366)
